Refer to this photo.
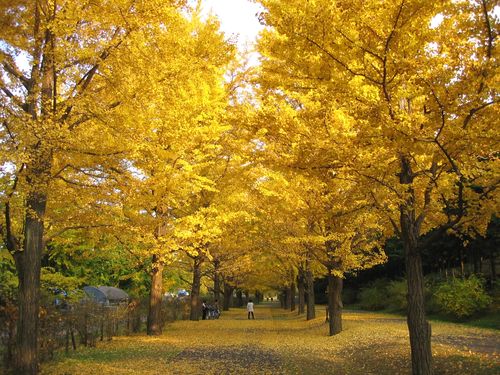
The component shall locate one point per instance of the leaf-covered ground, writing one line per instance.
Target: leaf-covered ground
(278, 342)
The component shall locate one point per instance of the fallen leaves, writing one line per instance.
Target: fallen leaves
(282, 343)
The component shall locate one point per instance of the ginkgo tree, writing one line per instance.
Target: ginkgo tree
(345, 238)
(409, 92)
(324, 221)
(179, 130)
(77, 108)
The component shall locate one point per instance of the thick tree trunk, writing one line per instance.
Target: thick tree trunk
(155, 321)
(311, 309)
(195, 289)
(28, 263)
(301, 288)
(292, 296)
(228, 296)
(335, 284)
(419, 328)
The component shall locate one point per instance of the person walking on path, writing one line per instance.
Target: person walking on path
(250, 309)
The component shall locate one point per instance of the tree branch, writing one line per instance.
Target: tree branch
(11, 68)
(337, 60)
(74, 227)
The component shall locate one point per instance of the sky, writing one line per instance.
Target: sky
(237, 17)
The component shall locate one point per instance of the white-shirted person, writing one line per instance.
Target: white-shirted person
(250, 309)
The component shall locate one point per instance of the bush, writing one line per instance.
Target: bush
(396, 295)
(374, 297)
(8, 278)
(349, 296)
(461, 298)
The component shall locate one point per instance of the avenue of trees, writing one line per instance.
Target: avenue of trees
(136, 142)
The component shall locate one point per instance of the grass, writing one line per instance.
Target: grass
(488, 320)
(279, 342)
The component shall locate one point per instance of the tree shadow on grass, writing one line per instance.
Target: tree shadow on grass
(234, 360)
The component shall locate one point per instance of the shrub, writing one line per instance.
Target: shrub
(8, 278)
(396, 295)
(374, 297)
(461, 298)
(349, 296)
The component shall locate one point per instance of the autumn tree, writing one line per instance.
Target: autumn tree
(179, 128)
(409, 97)
(72, 71)
(325, 223)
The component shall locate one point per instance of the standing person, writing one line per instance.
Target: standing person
(250, 309)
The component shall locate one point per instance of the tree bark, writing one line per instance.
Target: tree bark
(228, 296)
(247, 296)
(335, 284)
(419, 328)
(286, 298)
(217, 291)
(311, 309)
(239, 298)
(195, 289)
(292, 296)
(28, 263)
(155, 321)
(301, 288)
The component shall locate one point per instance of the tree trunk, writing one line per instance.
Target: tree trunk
(217, 291)
(419, 328)
(228, 296)
(292, 296)
(195, 289)
(258, 297)
(155, 321)
(335, 284)
(286, 298)
(301, 288)
(311, 309)
(475, 259)
(493, 271)
(247, 297)
(239, 298)
(28, 263)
